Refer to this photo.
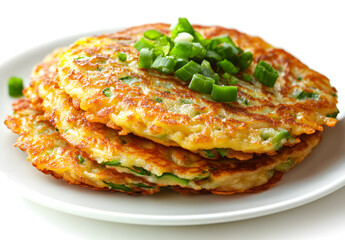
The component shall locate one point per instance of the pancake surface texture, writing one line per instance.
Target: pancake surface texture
(162, 108)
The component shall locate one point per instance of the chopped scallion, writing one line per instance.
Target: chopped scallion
(305, 94)
(230, 79)
(107, 92)
(120, 187)
(145, 58)
(244, 60)
(122, 56)
(201, 84)
(224, 93)
(182, 50)
(222, 151)
(212, 56)
(247, 77)
(333, 115)
(228, 67)
(81, 159)
(183, 25)
(164, 64)
(228, 51)
(152, 34)
(143, 43)
(112, 163)
(266, 74)
(186, 72)
(15, 87)
(209, 153)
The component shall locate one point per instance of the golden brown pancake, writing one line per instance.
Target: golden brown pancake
(155, 163)
(162, 108)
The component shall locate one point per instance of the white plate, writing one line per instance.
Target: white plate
(320, 174)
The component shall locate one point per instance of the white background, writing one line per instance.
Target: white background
(311, 30)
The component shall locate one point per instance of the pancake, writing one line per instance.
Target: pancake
(155, 163)
(50, 154)
(162, 108)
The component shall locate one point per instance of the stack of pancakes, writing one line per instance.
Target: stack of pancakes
(98, 122)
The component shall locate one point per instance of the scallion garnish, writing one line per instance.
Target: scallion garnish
(212, 56)
(266, 74)
(228, 51)
(305, 94)
(164, 64)
(224, 93)
(186, 72)
(107, 92)
(201, 84)
(247, 77)
(81, 159)
(230, 79)
(152, 34)
(182, 25)
(333, 115)
(184, 37)
(228, 67)
(143, 43)
(185, 49)
(245, 60)
(15, 87)
(182, 50)
(122, 56)
(222, 151)
(180, 62)
(145, 58)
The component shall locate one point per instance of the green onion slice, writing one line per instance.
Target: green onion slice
(182, 25)
(201, 84)
(180, 62)
(228, 51)
(212, 56)
(145, 58)
(266, 74)
(120, 187)
(81, 159)
(182, 50)
(152, 34)
(247, 77)
(333, 115)
(209, 153)
(186, 72)
(305, 94)
(245, 60)
(277, 139)
(230, 79)
(221, 39)
(112, 163)
(107, 92)
(164, 64)
(224, 93)
(15, 87)
(122, 56)
(222, 151)
(143, 43)
(228, 67)
(164, 44)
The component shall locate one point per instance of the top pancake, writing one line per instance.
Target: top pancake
(183, 117)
